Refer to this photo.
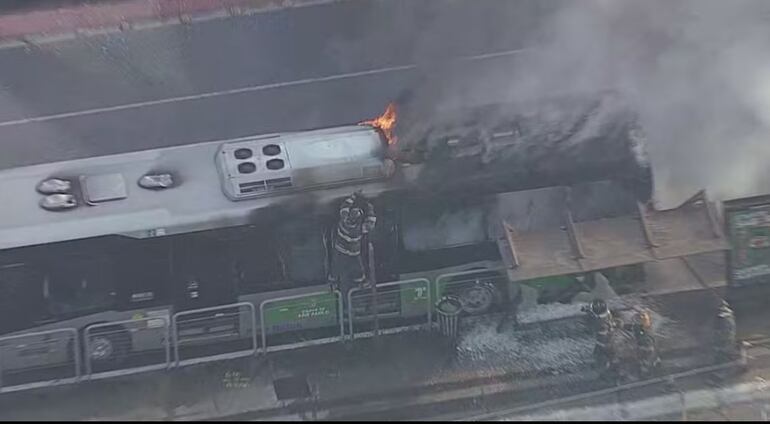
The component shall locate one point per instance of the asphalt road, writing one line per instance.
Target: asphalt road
(285, 70)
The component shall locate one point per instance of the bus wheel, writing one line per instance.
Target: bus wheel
(478, 299)
(108, 345)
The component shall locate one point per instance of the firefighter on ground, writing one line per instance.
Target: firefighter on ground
(725, 334)
(605, 325)
(356, 219)
(646, 350)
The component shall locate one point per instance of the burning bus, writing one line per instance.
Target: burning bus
(473, 209)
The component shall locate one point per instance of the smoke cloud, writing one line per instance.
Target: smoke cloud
(697, 73)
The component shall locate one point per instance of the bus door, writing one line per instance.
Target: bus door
(21, 297)
(203, 278)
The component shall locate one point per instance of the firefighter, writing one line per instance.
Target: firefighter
(356, 219)
(605, 326)
(646, 349)
(725, 334)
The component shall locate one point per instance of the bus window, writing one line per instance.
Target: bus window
(21, 297)
(285, 258)
(303, 255)
(77, 285)
(427, 227)
(256, 264)
(436, 236)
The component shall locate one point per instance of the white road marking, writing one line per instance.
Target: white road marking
(253, 88)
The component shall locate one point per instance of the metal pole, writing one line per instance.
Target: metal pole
(373, 280)
(87, 350)
(253, 313)
(351, 316)
(175, 337)
(168, 342)
(341, 314)
(75, 354)
(262, 326)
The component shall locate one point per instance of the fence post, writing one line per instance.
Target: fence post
(262, 327)
(167, 344)
(375, 300)
(175, 337)
(75, 355)
(253, 314)
(351, 316)
(341, 314)
(87, 350)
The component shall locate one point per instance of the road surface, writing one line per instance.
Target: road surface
(292, 69)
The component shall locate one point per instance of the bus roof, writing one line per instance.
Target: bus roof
(197, 202)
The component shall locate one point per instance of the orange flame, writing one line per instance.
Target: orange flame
(385, 123)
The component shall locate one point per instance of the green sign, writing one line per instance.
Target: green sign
(749, 232)
(295, 314)
(414, 296)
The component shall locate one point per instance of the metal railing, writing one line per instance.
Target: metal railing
(293, 315)
(545, 407)
(40, 359)
(397, 301)
(213, 334)
(127, 347)
(454, 283)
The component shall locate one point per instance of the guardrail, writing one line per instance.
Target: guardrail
(213, 334)
(291, 315)
(39, 359)
(127, 347)
(457, 282)
(397, 301)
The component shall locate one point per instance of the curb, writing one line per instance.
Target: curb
(40, 26)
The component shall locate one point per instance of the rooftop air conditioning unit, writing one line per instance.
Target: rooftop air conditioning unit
(283, 163)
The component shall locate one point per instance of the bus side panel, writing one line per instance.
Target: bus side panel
(414, 299)
(303, 313)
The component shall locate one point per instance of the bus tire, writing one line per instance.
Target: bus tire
(479, 298)
(108, 345)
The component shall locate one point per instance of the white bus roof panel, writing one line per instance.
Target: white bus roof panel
(196, 203)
